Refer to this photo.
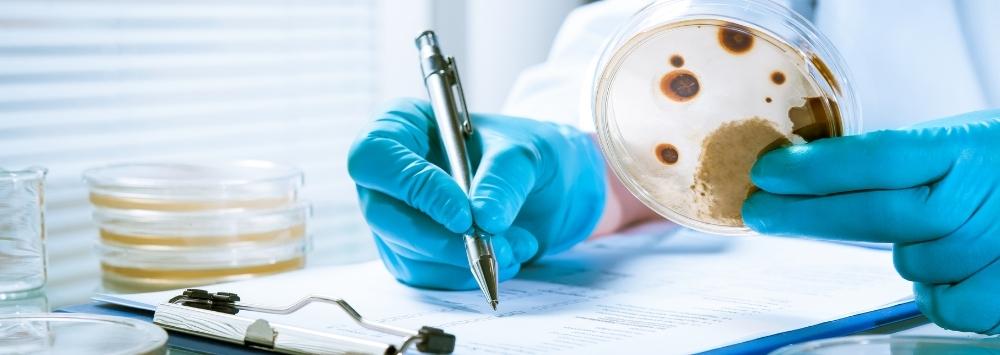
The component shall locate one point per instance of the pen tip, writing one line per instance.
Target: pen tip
(494, 305)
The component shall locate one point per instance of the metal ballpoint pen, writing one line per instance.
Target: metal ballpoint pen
(454, 124)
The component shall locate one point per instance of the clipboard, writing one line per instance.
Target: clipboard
(214, 316)
(837, 320)
(834, 328)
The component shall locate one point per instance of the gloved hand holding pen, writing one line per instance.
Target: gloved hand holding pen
(933, 190)
(539, 187)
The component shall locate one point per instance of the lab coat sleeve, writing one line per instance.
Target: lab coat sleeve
(558, 90)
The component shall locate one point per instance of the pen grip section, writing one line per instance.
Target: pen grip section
(480, 241)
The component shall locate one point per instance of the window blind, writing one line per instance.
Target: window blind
(90, 82)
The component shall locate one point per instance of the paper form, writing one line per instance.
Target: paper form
(659, 287)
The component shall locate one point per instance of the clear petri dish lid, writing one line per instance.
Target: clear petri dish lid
(688, 94)
(193, 186)
(218, 228)
(893, 345)
(128, 269)
(130, 280)
(169, 257)
(78, 334)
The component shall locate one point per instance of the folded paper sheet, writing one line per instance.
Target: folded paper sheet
(657, 287)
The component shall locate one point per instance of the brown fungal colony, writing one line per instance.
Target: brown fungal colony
(777, 77)
(680, 85)
(735, 38)
(667, 154)
(676, 61)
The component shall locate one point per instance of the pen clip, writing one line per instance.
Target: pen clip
(459, 94)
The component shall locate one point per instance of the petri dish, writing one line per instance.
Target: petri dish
(193, 186)
(143, 229)
(172, 225)
(893, 345)
(79, 334)
(131, 269)
(688, 94)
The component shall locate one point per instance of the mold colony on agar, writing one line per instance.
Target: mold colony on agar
(696, 102)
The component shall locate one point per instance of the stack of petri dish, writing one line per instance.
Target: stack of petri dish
(172, 225)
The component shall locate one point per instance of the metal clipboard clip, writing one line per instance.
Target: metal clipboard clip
(213, 315)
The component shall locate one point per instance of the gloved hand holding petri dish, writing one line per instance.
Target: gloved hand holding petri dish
(688, 94)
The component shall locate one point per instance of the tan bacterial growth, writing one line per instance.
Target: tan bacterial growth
(726, 158)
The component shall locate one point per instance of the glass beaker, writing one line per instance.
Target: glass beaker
(22, 229)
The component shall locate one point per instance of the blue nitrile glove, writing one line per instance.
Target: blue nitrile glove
(932, 189)
(539, 187)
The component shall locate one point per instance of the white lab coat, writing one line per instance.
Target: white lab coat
(911, 61)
